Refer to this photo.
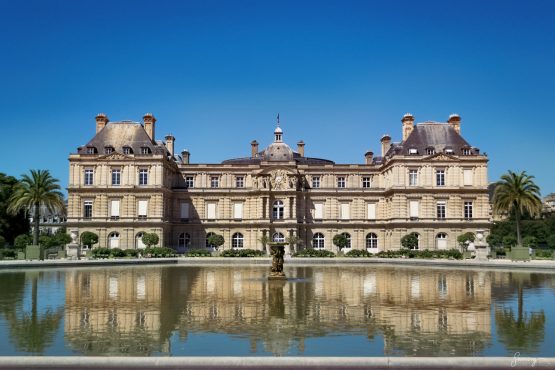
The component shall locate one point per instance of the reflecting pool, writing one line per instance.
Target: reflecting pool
(236, 311)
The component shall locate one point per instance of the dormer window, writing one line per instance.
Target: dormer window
(91, 150)
(430, 151)
(466, 151)
(413, 151)
(108, 150)
(448, 151)
(127, 150)
(145, 150)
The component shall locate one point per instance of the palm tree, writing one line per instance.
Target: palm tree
(517, 192)
(32, 192)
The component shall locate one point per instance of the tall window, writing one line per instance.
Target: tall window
(278, 210)
(440, 177)
(189, 182)
(89, 176)
(371, 241)
(441, 241)
(467, 210)
(341, 182)
(187, 239)
(440, 210)
(318, 241)
(116, 177)
(114, 209)
(315, 182)
(366, 182)
(278, 237)
(143, 176)
(348, 237)
(113, 240)
(214, 181)
(208, 245)
(87, 209)
(142, 209)
(237, 241)
(413, 177)
(139, 241)
(240, 182)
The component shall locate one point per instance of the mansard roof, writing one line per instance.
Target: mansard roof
(123, 134)
(439, 136)
(296, 157)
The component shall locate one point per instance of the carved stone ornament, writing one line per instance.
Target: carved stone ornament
(279, 180)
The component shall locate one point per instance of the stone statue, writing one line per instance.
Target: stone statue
(277, 251)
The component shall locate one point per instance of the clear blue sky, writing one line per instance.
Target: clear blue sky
(340, 73)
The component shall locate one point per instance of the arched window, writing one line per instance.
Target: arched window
(237, 241)
(187, 240)
(181, 241)
(208, 245)
(417, 237)
(348, 237)
(441, 241)
(113, 240)
(139, 241)
(318, 241)
(371, 241)
(278, 237)
(278, 210)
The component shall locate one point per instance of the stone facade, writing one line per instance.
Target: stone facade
(124, 183)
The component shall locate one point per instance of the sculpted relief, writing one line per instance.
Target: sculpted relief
(276, 180)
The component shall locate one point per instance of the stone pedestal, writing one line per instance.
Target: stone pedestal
(481, 247)
(73, 249)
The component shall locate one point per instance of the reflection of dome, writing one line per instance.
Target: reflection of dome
(278, 152)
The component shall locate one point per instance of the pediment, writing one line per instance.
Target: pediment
(440, 157)
(114, 157)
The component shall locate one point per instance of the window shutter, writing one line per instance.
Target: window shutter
(114, 212)
(413, 208)
(184, 210)
(211, 210)
(344, 211)
(143, 206)
(467, 177)
(238, 210)
(371, 211)
(318, 211)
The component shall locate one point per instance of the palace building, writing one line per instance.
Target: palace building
(124, 183)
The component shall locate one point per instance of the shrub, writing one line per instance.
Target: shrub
(242, 253)
(425, 254)
(131, 252)
(358, 253)
(410, 241)
(89, 238)
(117, 252)
(216, 240)
(542, 253)
(2, 241)
(314, 253)
(101, 252)
(198, 253)
(341, 241)
(23, 240)
(465, 239)
(150, 239)
(157, 252)
(7, 253)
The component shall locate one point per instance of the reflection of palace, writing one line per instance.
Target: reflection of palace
(122, 311)
(124, 182)
(412, 309)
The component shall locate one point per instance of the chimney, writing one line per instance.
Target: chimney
(300, 148)
(149, 121)
(170, 140)
(254, 149)
(408, 125)
(185, 156)
(455, 122)
(369, 155)
(386, 144)
(101, 121)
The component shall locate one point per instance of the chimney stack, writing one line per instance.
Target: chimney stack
(254, 149)
(300, 148)
(386, 144)
(149, 122)
(101, 121)
(185, 155)
(369, 155)
(455, 122)
(408, 125)
(170, 140)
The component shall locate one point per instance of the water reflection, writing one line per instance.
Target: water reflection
(382, 310)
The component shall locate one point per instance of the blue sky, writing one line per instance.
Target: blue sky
(340, 73)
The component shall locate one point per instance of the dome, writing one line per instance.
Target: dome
(278, 152)
(278, 130)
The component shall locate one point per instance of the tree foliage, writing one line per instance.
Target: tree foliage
(410, 241)
(89, 238)
(150, 239)
(216, 240)
(340, 240)
(21, 241)
(465, 239)
(517, 192)
(10, 225)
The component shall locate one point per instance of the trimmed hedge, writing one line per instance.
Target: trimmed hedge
(242, 253)
(314, 253)
(358, 253)
(131, 252)
(198, 253)
(8, 253)
(117, 253)
(101, 252)
(543, 253)
(425, 254)
(157, 252)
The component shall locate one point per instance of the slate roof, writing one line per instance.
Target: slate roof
(123, 134)
(439, 136)
(296, 157)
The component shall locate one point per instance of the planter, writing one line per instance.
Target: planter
(33, 252)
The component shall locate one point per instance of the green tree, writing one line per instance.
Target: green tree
(340, 241)
(517, 192)
(494, 240)
(265, 239)
(529, 241)
(509, 241)
(410, 241)
(2, 241)
(150, 239)
(465, 239)
(216, 240)
(61, 237)
(10, 225)
(89, 238)
(21, 241)
(551, 241)
(32, 192)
